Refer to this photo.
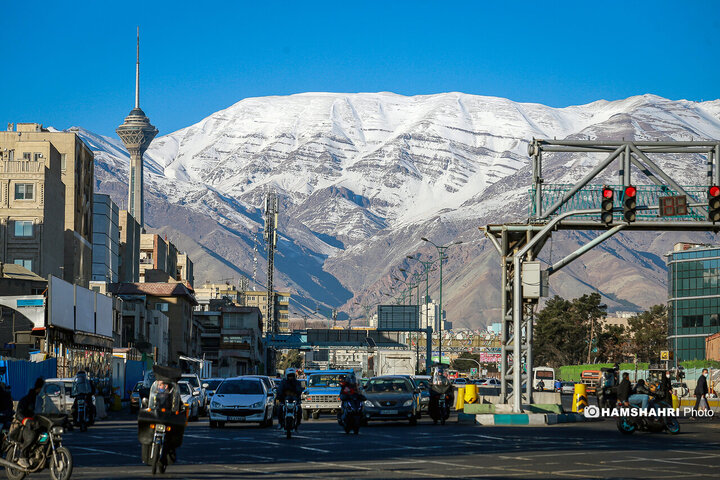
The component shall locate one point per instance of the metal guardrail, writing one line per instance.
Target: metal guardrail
(590, 197)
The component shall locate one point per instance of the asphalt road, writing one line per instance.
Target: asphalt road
(321, 450)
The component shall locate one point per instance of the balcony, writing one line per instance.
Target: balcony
(21, 167)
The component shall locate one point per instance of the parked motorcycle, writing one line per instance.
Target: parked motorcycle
(440, 412)
(628, 425)
(289, 416)
(352, 414)
(46, 452)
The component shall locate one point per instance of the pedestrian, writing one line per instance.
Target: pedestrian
(701, 391)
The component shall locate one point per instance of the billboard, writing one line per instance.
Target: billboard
(84, 310)
(398, 317)
(104, 315)
(61, 299)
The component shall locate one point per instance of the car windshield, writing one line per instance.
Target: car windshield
(184, 388)
(329, 380)
(383, 385)
(240, 387)
(212, 384)
(192, 380)
(138, 386)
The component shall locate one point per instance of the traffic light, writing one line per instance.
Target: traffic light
(714, 203)
(606, 206)
(629, 203)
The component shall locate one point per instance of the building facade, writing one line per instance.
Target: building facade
(254, 298)
(130, 231)
(32, 206)
(106, 240)
(77, 172)
(694, 299)
(185, 269)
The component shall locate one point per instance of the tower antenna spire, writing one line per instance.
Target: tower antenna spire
(137, 71)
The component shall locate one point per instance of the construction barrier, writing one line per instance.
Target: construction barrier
(471, 393)
(675, 401)
(460, 399)
(20, 375)
(579, 398)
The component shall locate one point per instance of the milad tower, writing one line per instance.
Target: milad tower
(136, 133)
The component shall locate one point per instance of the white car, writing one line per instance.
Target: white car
(567, 388)
(241, 399)
(197, 387)
(190, 399)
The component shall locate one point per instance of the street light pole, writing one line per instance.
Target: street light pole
(441, 254)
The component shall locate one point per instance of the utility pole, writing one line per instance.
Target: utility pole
(270, 235)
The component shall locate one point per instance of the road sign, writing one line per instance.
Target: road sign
(665, 355)
(473, 372)
(398, 317)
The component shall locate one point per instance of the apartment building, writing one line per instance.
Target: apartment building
(30, 142)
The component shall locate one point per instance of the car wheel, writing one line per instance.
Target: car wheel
(305, 415)
(315, 415)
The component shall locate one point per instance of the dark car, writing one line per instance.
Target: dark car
(136, 396)
(392, 397)
(212, 385)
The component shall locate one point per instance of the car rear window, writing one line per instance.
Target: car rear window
(240, 387)
(213, 384)
(388, 385)
(192, 380)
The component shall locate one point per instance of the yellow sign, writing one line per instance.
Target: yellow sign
(664, 354)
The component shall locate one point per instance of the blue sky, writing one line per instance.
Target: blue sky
(72, 63)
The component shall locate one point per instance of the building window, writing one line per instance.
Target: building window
(23, 228)
(38, 156)
(23, 262)
(27, 156)
(163, 307)
(63, 161)
(24, 191)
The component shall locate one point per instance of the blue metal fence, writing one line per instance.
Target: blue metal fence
(134, 371)
(21, 374)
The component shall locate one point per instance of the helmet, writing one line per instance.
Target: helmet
(290, 372)
(350, 378)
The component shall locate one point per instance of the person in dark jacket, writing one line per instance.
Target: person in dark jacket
(624, 389)
(664, 388)
(289, 387)
(25, 413)
(701, 389)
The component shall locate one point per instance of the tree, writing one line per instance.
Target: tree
(648, 332)
(567, 332)
(462, 365)
(613, 344)
(293, 358)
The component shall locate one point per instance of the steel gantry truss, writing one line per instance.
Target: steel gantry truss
(578, 207)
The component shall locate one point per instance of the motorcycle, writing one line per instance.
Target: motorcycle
(441, 411)
(46, 452)
(82, 413)
(629, 424)
(289, 416)
(352, 414)
(160, 434)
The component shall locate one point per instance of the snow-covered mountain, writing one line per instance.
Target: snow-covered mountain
(362, 177)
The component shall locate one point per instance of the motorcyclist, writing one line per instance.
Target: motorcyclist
(348, 391)
(289, 387)
(82, 388)
(25, 416)
(440, 386)
(164, 398)
(641, 395)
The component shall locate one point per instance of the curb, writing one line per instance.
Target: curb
(513, 419)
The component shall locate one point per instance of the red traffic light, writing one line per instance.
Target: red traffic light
(608, 192)
(630, 191)
(714, 191)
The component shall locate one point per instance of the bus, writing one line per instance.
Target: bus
(546, 375)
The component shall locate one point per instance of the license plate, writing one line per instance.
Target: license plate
(237, 419)
(389, 412)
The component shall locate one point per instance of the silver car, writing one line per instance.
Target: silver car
(190, 398)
